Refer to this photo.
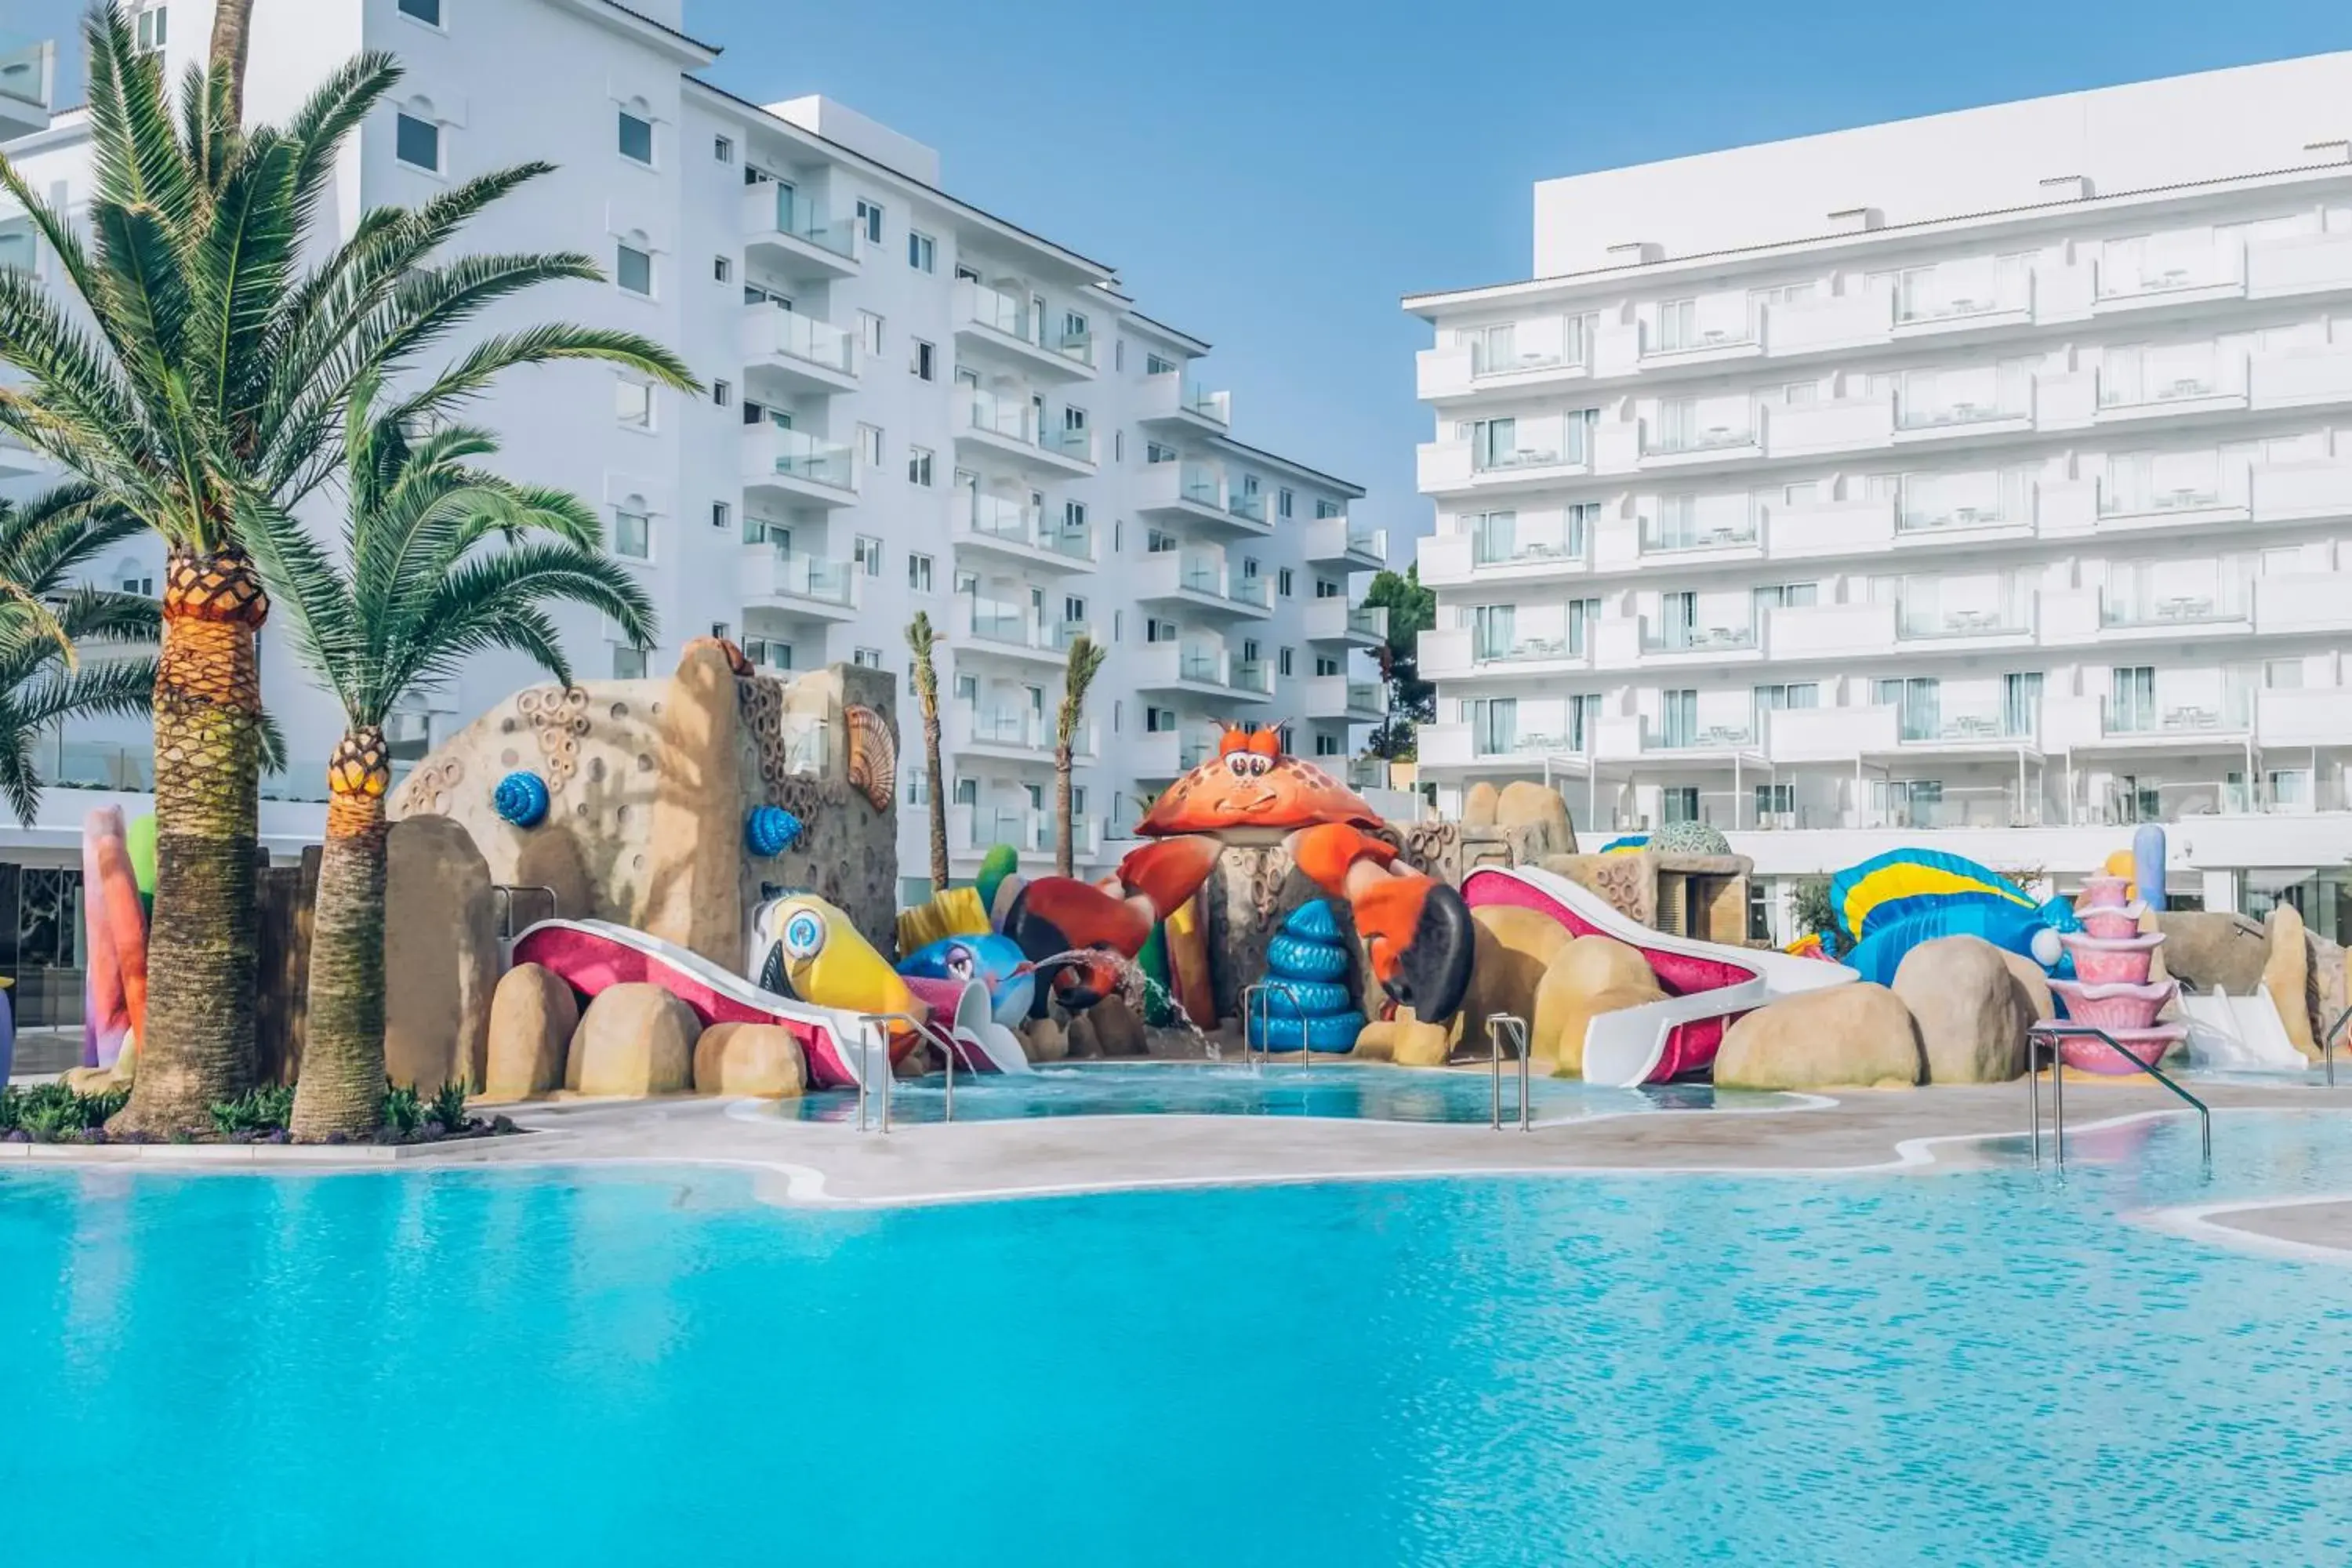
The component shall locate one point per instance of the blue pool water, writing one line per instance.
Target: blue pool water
(1336, 1090)
(574, 1369)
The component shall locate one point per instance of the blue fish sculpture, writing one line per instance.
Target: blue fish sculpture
(1892, 902)
(996, 962)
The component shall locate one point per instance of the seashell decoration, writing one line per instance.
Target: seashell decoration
(873, 755)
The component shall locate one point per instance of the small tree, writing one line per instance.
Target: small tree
(920, 642)
(1086, 662)
(1412, 610)
(1809, 907)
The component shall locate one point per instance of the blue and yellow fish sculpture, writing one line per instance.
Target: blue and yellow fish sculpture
(1891, 903)
(996, 962)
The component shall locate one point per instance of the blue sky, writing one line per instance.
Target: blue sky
(1273, 174)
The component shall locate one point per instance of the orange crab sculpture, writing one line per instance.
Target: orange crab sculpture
(1417, 929)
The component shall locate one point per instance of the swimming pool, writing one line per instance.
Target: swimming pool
(604, 1369)
(1344, 1091)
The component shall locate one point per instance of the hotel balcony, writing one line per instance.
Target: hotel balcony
(1960, 420)
(802, 469)
(2303, 716)
(2170, 723)
(808, 587)
(782, 229)
(1458, 559)
(1451, 467)
(1967, 627)
(1008, 428)
(800, 351)
(1708, 345)
(1337, 697)
(1167, 753)
(1202, 582)
(1458, 654)
(1671, 643)
(1166, 400)
(1537, 359)
(992, 319)
(1526, 751)
(1006, 630)
(1706, 533)
(976, 829)
(1880, 732)
(1009, 530)
(2305, 603)
(1683, 449)
(1335, 620)
(1012, 734)
(1197, 492)
(1335, 541)
(1203, 671)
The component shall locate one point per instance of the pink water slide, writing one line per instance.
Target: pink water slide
(1709, 985)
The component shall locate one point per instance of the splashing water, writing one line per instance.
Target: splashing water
(1136, 989)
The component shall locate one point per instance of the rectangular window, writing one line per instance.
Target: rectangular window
(870, 332)
(633, 270)
(1326, 589)
(723, 515)
(869, 218)
(1159, 720)
(1158, 452)
(628, 663)
(925, 360)
(1156, 630)
(918, 466)
(1330, 509)
(723, 148)
(867, 553)
(722, 269)
(151, 31)
(416, 143)
(632, 405)
(637, 138)
(1158, 364)
(1074, 610)
(869, 445)
(919, 574)
(722, 393)
(1282, 662)
(867, 657)
(1325, 665)
(425, 11)
(922, 251)
(1283, 503)
(632, 535)
(1282, 582)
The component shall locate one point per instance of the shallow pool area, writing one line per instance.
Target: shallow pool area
(1339, 1091)
(645, 1364)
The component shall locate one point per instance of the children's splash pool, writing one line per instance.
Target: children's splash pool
(1986, 1366)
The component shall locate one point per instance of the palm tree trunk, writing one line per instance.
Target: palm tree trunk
(341, 1090)
(935, 785)
(232, 32)
(1065, 859)
(203, 946)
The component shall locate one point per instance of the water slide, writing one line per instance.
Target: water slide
(2238, 1034)
(1707, 984)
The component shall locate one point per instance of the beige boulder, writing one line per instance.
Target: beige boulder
(2032, 984)
(1513, 948)
(761, 1059)
(1526, 804)
(1587, 977)
(532, 1015)
(1480, 803)
(695, 834)
(1857, 1035)
(1118, 1031)
(440, 954)
(1047, 1040)
(1405, 1041)
(2214, 952)
(1971, 1011)
(635, 1040)
(2287, 977)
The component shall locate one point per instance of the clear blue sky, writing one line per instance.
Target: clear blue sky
(1273, 174)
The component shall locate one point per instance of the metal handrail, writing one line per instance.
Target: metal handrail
(502, 903)
(924, 1026)
(2327, 1044)
(1265, 1015)
(2054, 1032)
(1497, 1026)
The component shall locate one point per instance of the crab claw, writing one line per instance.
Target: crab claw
(1422, 940)
(1055, 916)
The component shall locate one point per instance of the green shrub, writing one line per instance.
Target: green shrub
(262, 1110)
(402, 1111)
(53, 1110)
(448, 1106)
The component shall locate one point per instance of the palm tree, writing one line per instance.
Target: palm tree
(1086, 662)
(920, 641)
(232, 32)
(44, 543)
(439, 562)
(199, 376)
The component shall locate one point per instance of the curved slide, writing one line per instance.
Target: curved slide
(1709, 985)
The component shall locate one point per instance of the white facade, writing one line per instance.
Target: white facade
(1983, 481)
(910, 405)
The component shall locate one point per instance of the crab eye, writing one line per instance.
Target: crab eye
(803, 935)
(1240, 764)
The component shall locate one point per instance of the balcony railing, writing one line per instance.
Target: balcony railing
(796, 215)
(1245, 505)
(993, 309)
(1690, 443)
(1565, 546)
(1677, 638)
(1944, 416)
(1526, 743)
(1697, 737)
(803, 577)
(1252, 675)
(1199, 664)
(800, 337)
(1987, 621)
(1927, 517)
(801, 456)
(1217, 408)
(1487, 462)
(1667, 538)
(1529, 650)
(2187, 719)
(2212, 604)
(2212, 383)
(2182, 498)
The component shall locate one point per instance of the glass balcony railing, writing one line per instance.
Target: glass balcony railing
(800, 456)
(1367, 620)
(1528, 649)
(1969, 621)
(1928, 517)
(1252, 675)
(1909, 415)
(1698, 736)
(2203, 606)
(1077, 346)
(1674, 637)
(1688, 442)
(1363, 697)
(2133, 392)
(2158, 718)
(1492, 549)
(1214, 406)
(1003, 417)
(1199, 664)
(807, 338)
(1075, 444)
(814, 577)
(1008, 727)
(993, 309)
(796, 216)
(1664, 538)
(1001, 519)
(1245, 505)
(1202, 486)
(1977, 725)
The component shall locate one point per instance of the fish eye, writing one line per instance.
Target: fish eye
(959, 964)
(803, 934)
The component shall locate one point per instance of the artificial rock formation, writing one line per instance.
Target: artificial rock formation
(2032, 984)
(1047, 1040)
(440, 954)
(1515, 946)
(2214, 952)
(1405, 1041)
(763, 1060)
(1857, 1035)
(635, 1039)
(1481, 804)
(534, 1014)
(1971, 1011)
(1526, 804)
(1118, 1032)
(2287, 977)
(1589, 976)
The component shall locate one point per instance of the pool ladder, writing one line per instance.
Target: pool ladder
(920, 1026)
(1257, 1002)
(2052, 1033)
(2327, 1043)
(1497, 1026)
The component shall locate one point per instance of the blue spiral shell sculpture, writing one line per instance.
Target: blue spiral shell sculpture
(1305, 1004)
(769, 830)
(520, 798)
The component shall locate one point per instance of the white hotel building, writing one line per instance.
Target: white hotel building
(911, 405)
(1981, 481)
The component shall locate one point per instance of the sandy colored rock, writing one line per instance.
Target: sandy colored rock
(1857, 1035)
(2032, 984)
(2287, 977)
(550, 857)
(1513, 947)
(1588, 976)
(1405, 1041)
(1480, 803)
(440, 954)
(533, 1013)
(635, 1040)
(1044, 1040)
(763, 1060)
(2214, 952)
(1118, 1031)
(1971, 1011)
(695, 837)
(1526, 804)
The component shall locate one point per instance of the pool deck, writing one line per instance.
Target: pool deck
(810, 1162)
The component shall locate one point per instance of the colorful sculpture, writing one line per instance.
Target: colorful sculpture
(769, 831)
(2148, 865)
(1305, 1003)
(2113, 959)
(520, 798)
(114, 992)
(810, 951)
(1892, 902)
(995, 961)
(1417, 929)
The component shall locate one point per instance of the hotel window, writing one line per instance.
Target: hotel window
(1282, 582)
(637, 138)
(722, 270)
(425, 11)
(722, 393)
(628, 663)
(1677, 329)
(723, 148)
(1074, 610)
(1158, 452)
(1157, 542)
(1330, 509)
(1283, 503)
(918, 466)
(1157, 630)
(633, 404)
(922, 251)
(416, 143)
(723, 515)
(919, 574)
(1678, 803)
(869, 445)
(633, 269)
(869, 218)
(867, 657)
(1325, 665)
(1326, 589)
(632, 532)
(1159, 720)
(925, 362)
(1159, 364)
(870, 332)
(151, 31)
(1282, 662)
(867, 553)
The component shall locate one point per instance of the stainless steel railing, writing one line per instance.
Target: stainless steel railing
(2054, 1032)
(1497, 1026)
(2327, 1044)
(928, 1030)
(1261, 996)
